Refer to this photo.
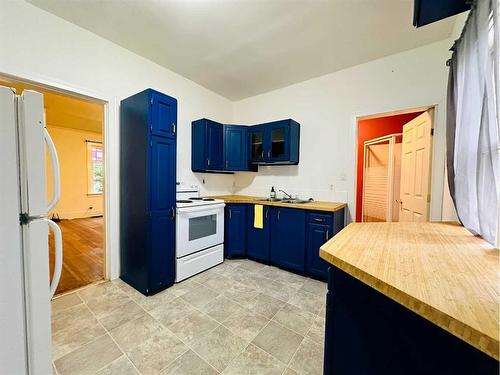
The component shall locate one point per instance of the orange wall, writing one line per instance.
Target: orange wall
(370, 129)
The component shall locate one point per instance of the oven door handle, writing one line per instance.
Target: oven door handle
(207, 208)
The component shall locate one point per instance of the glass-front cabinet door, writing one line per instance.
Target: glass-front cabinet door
(278, 140)
(256, 143)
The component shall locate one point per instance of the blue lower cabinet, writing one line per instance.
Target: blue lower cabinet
(367, 332)
(317, 235)
(257, 238)
(162, 263)
(235, 230)
(288, 237)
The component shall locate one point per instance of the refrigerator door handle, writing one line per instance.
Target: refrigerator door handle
(56, 176)
(58, 255)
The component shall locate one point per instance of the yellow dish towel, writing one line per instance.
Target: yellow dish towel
(258, 221)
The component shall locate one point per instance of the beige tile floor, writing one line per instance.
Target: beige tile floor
(240, 317)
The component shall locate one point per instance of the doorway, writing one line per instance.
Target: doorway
(393, 166)
(76, 126)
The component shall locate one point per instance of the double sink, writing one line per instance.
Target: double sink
(294, 201)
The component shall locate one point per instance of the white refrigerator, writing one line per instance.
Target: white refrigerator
(26, 287)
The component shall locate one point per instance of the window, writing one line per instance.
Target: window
(95, 168)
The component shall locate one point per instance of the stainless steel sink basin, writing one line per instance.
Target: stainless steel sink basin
(294, 201)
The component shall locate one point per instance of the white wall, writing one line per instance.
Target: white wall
(327, 107)
(41, 47)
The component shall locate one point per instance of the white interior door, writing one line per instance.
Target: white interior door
(416, 168)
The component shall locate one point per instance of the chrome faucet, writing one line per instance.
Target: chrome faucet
(288, 195)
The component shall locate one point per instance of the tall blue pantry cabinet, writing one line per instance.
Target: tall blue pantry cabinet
(148, 123)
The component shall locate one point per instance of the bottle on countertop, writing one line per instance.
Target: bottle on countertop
(273, 193)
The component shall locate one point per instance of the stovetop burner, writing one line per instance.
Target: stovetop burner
(202, 199)
(184, 201)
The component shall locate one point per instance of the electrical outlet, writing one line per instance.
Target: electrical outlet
(332, 187)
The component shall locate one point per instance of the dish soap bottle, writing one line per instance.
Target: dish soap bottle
(272, 196)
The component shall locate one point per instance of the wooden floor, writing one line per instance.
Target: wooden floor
(83, 249)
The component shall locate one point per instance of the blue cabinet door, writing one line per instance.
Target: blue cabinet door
(162, 173)
(162, 213)
(235, 230)
(162, 252)
(214, 145)
(163, 115)
(257, 145)
(258, 239)
(235, 148)
(317, 235)
(278, 141)
(288, 238)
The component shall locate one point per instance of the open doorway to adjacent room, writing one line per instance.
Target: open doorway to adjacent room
(76, 126)
(394, 156)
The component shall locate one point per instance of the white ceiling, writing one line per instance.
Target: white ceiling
(241, 48)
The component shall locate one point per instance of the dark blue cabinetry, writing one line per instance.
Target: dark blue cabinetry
(164, 113)
(233, 148)
(147, 190)
(366, 332)
(207, 146)
(236, 149)
(235, 230)
(257, 238)
(321, 226)
(275, 142)
(288, 238)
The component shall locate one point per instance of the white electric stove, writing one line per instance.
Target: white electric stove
(200, 232)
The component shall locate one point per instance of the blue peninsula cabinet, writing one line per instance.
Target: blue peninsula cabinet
(147, 190)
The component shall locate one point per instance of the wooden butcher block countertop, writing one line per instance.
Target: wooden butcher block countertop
(438, 270)
(314, 205)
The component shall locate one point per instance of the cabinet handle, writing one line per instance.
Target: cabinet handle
(226, 164)
(173, 212)
(269, 154)
(318, 220)
(208, 162)
(173, 128)
(267, 211)
(262, 155)
(327, 234)
(279, 214)
(230, 214)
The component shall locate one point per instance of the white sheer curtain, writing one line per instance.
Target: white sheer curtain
(475, 148)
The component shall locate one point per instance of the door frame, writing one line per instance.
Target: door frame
(110, 207)
(438, 156)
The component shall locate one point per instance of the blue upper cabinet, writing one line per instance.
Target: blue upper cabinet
(164, 115)
(275, 142)
(219, 148)
(236, 149)
(207, 146)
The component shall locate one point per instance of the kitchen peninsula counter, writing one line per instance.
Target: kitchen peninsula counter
(438, 271)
